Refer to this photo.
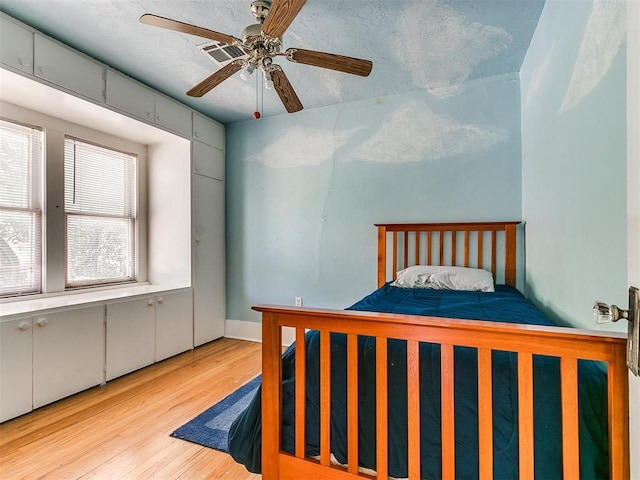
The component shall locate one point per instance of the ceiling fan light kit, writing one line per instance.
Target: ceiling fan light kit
(261, 43)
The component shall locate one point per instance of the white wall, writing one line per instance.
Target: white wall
(574, 168)
(633, 208)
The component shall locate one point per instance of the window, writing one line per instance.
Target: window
(20, 209)
(100, 212)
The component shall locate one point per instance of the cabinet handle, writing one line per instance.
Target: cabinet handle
(44, 70)
(24, 326)
(196, 134)
(150, 302)
(150, 115)
(197, 168)
(197, 239)
(160, 300)
(24, 62)
(159, 118)
(42, 322)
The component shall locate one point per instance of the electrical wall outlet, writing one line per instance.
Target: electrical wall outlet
(298, 301)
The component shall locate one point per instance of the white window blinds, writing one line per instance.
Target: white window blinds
(20, 209)
(100, 211)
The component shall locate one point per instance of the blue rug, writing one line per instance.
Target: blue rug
(211, 427)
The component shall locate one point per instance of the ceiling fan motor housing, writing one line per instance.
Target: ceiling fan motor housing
(254, 40)
(260, 8)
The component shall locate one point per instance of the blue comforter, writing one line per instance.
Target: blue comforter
(504, 305)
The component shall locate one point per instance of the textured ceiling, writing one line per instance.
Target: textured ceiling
(414, 45)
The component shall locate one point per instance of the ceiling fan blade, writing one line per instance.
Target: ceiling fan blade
(157, 21)
(355, 66)
(285, 90)
(216, 79)
(281, 14)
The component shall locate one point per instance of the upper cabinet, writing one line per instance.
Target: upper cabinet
(208, 131)
(68, 69)
(173, 116)
(16, 46)
(130, 97)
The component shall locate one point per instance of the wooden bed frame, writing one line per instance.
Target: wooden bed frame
(487, 245)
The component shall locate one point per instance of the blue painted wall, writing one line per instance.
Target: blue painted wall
(574, 159)
(304, 190)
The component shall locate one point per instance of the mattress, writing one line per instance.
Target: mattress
(506, 304)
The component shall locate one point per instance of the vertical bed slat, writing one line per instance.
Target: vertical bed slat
(271, 407)
(441, 246)
(325, 397)
(485, 414)
(382, 410)
(301, 404)
(413, 409)
(429, 234)
(352, 405)
(570, 437)
(395, 254)
(466, 248)
(382, 255)
(618, 404)
(493, 253)
(447, 412)
(480, 237)
(405, 248)
(510, 255)
(454, 253)
(525, 414)
(416, 258)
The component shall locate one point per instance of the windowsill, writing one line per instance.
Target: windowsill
(34, 304)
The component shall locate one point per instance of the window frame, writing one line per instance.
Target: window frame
(131, 191)
(34, 208)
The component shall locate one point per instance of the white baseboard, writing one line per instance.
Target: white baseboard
(252, 331)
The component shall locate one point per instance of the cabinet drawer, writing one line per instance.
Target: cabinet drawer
(62, 66)
(16, 46)
(129, 96)
(208, 161)
(173, 116)
(207, 131)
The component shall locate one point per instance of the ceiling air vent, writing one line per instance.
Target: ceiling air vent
(222, 53)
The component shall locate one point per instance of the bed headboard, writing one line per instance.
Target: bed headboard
(488, 245)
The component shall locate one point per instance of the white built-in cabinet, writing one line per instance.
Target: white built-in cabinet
(48, 354)
(16, 46)
(145, 330)
(66, 68)
(68, 353)
(208, 259)
(16, 368)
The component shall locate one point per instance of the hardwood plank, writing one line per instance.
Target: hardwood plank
(121, 429)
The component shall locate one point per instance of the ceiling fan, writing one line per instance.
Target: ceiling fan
(262, 42)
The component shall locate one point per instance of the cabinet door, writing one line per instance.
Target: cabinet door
(15, 368)
(68, 353)
(208, 259)
(16, 46)
(130, 97)
(66, 68)
(173, 116)
(208, 161)
(207, 131)
(130, 336)
(174, 324)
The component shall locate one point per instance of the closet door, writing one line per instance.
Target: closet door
(208, 259)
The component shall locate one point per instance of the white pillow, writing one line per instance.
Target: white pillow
(445, 278)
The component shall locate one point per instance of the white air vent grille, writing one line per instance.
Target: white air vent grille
(222, 53)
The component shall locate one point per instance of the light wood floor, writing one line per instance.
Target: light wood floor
(121, 430)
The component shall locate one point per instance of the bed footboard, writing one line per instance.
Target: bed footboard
(569, 345)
